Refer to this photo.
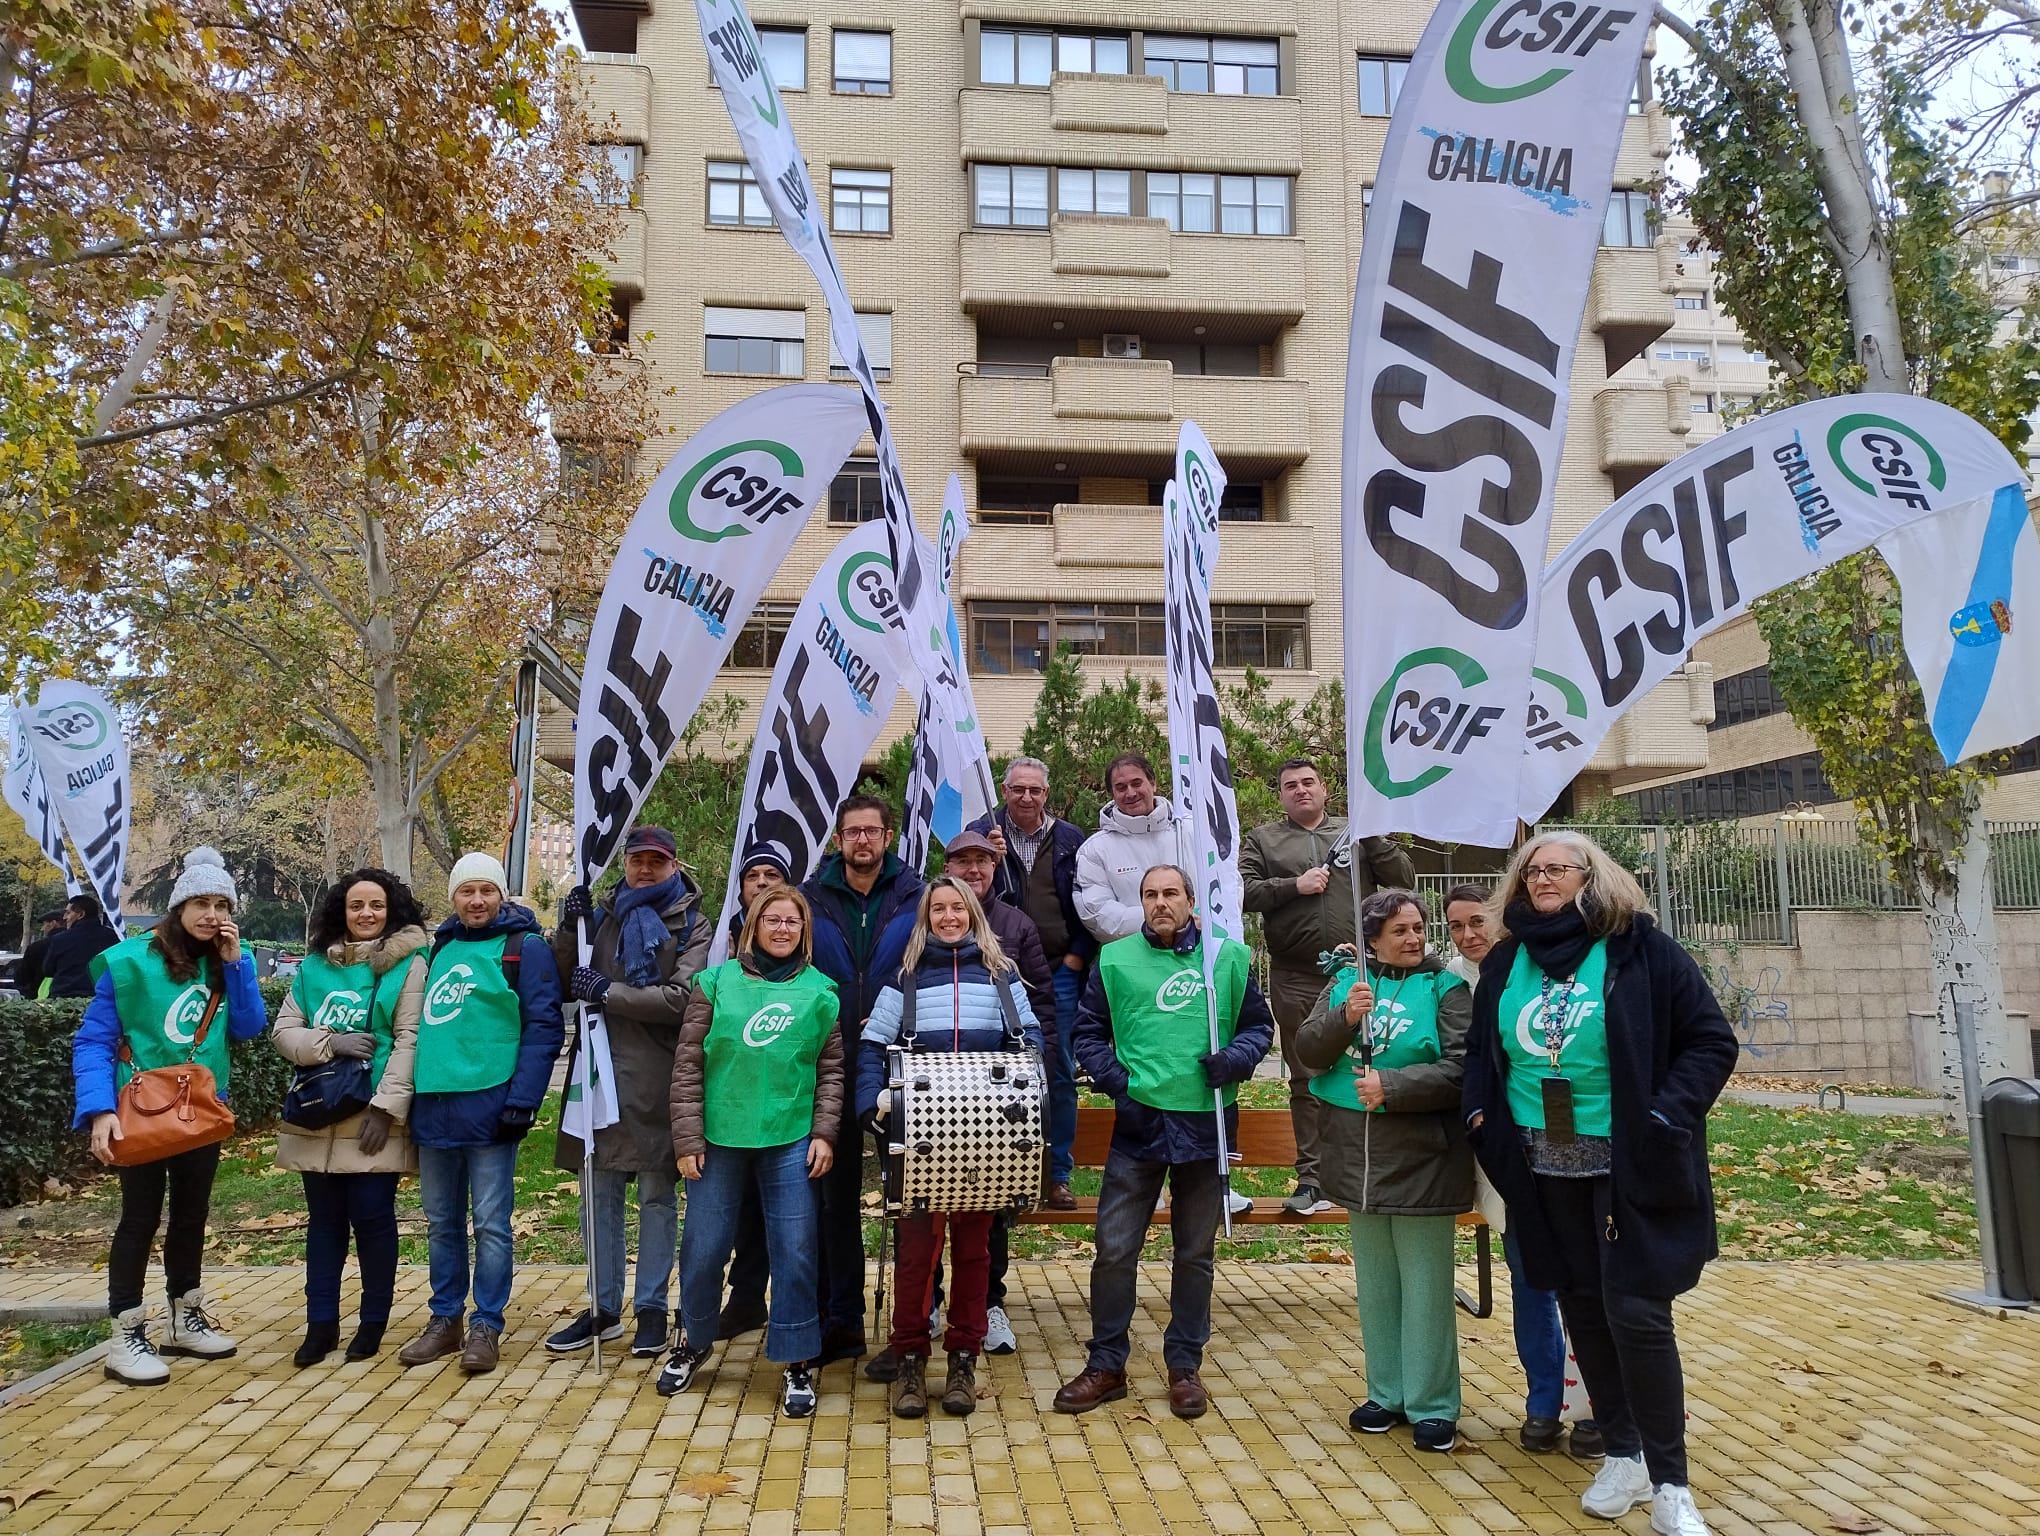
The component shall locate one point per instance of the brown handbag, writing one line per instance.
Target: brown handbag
(168, 1110)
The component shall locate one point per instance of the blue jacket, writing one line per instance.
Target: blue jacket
(1065, 838)
(1139, 1130)
(956, 1008)
(835, 905)
(96, 1046)
(470, 1119)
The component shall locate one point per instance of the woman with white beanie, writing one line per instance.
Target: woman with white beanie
(156, 1002)
(488, 1035)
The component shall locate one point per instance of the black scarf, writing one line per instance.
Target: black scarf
(765, 968)
(1557, 941)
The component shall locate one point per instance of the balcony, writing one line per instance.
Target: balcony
(1270, 17)
(1132, 121)
(1646, 144)
(1629, 304)
(1665, 731)
(1124, 415)
(618, 98)
(1091, 552)
(624, 262)
(1643, 427)
(1119, 272)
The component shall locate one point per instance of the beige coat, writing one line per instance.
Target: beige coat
(334, 1149)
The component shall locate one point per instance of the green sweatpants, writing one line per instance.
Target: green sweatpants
(1402, 1270)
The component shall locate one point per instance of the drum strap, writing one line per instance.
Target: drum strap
(1008, 1009)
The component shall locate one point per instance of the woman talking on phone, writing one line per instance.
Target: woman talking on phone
(156, 1002)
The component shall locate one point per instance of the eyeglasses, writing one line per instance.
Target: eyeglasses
(779, 922)
(859, 834)
(1552, 871)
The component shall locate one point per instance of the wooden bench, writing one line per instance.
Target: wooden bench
(1267, 1139)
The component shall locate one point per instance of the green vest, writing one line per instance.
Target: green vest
(1161, 1023)
(346, 998)
(1584, 1055)
(764, 1038)
(471, 1027)
(159, 1018)
(1403, 1027)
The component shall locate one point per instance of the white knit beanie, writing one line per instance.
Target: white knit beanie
(204, 874)
(477, 866)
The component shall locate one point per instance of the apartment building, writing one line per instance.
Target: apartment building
(1067, 227)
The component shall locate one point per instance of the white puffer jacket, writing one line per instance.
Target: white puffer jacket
(1113, 859)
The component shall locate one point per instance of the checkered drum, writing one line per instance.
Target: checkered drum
(966, 1131)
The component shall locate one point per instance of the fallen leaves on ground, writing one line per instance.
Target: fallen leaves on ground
(17, 1497)
(1855, 1523)
(705, 1485)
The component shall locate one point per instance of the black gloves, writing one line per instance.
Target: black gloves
(374, 1134)
(873, 1126)
(514, 1122)
(1215, 1073)
(579, 902)
(355, 1045)
(588, 984)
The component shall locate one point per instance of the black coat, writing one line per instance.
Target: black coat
(1670, 1053)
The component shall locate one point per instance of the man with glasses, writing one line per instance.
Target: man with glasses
(863, 899)
(1038, 874)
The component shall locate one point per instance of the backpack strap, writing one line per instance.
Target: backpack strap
(909, 990)
(1016, 1036)
(513, 961)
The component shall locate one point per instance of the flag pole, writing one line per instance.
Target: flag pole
(587, 1076)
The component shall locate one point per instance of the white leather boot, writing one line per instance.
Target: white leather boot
(130, 1358)
(192, 1332)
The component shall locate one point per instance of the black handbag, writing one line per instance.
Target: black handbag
(324, 1095)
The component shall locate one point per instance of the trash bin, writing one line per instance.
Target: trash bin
(2011, 1138)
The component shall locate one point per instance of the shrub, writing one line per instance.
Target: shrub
(36, 1139)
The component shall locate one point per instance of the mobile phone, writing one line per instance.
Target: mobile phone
(1558, 1110)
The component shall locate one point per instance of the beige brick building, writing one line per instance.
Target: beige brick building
(1069, 227)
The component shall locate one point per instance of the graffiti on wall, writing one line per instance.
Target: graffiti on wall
(1753, 1007)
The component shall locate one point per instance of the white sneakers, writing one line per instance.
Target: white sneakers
(999, 1338)
(1673, 1513)
(1620, 1485)
(130, 1357)
(192, 1332)
(1241, 1204)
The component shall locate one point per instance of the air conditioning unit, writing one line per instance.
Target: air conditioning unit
(1704, 364)
(1121, 344)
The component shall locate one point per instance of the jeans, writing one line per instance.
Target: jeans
(793, 1330)
(751, 1269)
(451, 1182)
(188, 1180)
(658, 1237)
(1126, 1204)
(366, 1205)
(1628, 1354)
(1062, 1075)
(842, 1218)
(1291, 996)
(1540, 1342)
(920, 1240)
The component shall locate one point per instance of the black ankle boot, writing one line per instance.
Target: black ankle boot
(367, 1341)
(321, 1339)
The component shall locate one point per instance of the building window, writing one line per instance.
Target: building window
(1243, 501)
(860, 201)
(1761, 790)
(1681, 354)
(1012, 195)
(1689, 301)
(734, 197)
(1106, 192)
(1381, 79)
(1014, 500)
(876, 332)
(1254, 635)
(1217, 66)
(759, 642)
(1008, 638)
(608, 31)
(613, 180)
(1235, 360)
(1011, 57)
(1196, 203)
(1735, 352)
(863, 63)
(855, 495)
(1703, 405)
(761, 341)
(615, 336)
(1743, 697)
(785, 50)
(1631, 220)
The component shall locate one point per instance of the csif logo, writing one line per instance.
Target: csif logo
(1579, 1007)
(1179, 991)
(746, 480)
(1546, 728)
(1434, 717)
(1563, 29)
(343, 1010)
(865, 589)
(1387, 1024)
(76, 726)
(1887, 459)
(443, 1000)
(185, 1013)
(767, 1025)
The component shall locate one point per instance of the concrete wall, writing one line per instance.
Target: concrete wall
(1839, 1004)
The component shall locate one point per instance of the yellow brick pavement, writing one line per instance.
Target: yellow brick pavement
(1819, 1395)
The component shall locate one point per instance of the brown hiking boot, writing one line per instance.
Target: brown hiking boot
(910, 1389)
(1091, 1389)
(440, 1339)
(481, 1353)
(1059, 1198)
(959, 1393)
(1187, 1397)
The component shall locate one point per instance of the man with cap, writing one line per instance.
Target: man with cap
(646, 947)
(764, 870)
(487, 1039)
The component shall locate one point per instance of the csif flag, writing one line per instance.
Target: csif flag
(29, 793)
(76, 737)
(1488, 208)
(945, 787)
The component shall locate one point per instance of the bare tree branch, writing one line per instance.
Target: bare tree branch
(224, 413)
(104, 249)
(430, 776)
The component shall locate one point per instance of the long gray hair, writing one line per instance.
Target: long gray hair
(1608, 899)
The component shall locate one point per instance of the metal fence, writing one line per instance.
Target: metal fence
(1726, 882)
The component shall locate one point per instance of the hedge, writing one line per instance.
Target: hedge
(36, 1139)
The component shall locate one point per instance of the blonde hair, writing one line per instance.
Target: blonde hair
(747, 939)
(1609, 898)
(980, 931)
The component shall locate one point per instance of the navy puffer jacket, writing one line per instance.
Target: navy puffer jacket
(956, 1008)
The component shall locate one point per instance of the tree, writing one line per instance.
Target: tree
(1837, 221)
(1077, 734)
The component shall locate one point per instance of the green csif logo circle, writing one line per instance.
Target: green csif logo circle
(865, 587)
(74, 725)
(1441, 720)
(1886, 458)
(1460, 73)
(749, 490)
